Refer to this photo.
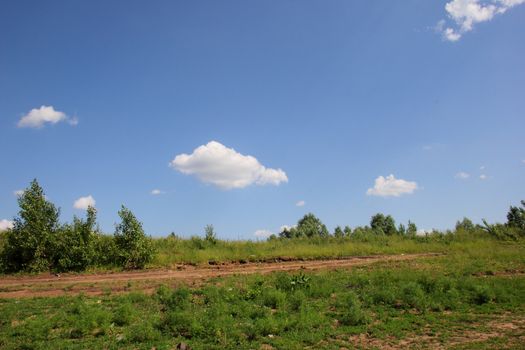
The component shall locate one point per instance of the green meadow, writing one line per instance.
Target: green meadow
(472, 297)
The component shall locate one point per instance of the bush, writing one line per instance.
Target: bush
(134, 249)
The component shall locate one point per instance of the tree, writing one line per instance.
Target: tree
(411, 229)
(210, 235)
(348, 231)
(31, 243)
(75, 243)
(134, 249)
(383, 224)
(311, 226)
(516, 217)
(401, 230)
(338, 232)
(465, 225)
(377, 222)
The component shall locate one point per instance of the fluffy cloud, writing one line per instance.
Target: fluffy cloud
(263, 233)
(466, 13)
(462, 175)
(225, 168)
(84, 202)
(37, 117)
(300, 204)
(18, 193)
(156, 192)
(391, 187)
(483, 177)
(6, 225)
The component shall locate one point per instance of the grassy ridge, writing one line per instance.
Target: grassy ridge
(467, 293)
(172, 251)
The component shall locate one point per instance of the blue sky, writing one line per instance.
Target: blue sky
(325, 96)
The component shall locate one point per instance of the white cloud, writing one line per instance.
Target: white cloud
(225, 168)
(483, 177)
(263, 233)
(6, 225)
(390, 186)
(300, 204)
(462, 175)
(18, 193)
(156, 192)
(286, 228)
(37, 117)
(523, 161)
(466, 13)
(84, 202)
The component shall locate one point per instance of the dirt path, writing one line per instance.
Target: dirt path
(46, 285)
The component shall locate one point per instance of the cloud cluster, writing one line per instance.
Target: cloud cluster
(6, 225)
(391, 187)
(466, 13)
(300, 204)
(225, 168)
(38, 117)
(156, 192)
(84, 202)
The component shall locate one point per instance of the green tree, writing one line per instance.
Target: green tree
(338, 232)
(210, 235)
(401, 230)
(31, 243)
(411, 229)
(516, 217)
(311, 226)
(383, 224)
(465, 225)
(348, 231)
(134, 249)
(75, 243)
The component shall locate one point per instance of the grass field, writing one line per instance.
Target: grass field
(471, 298)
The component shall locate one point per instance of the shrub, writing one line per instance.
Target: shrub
(135, 250)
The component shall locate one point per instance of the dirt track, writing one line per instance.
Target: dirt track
(45, 285)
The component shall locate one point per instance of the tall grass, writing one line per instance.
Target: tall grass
(173, 250)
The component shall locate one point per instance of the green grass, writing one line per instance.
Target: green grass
(172, 251)
(462, 295)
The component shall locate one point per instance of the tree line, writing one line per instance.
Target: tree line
(39, 242)
(310, 226)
